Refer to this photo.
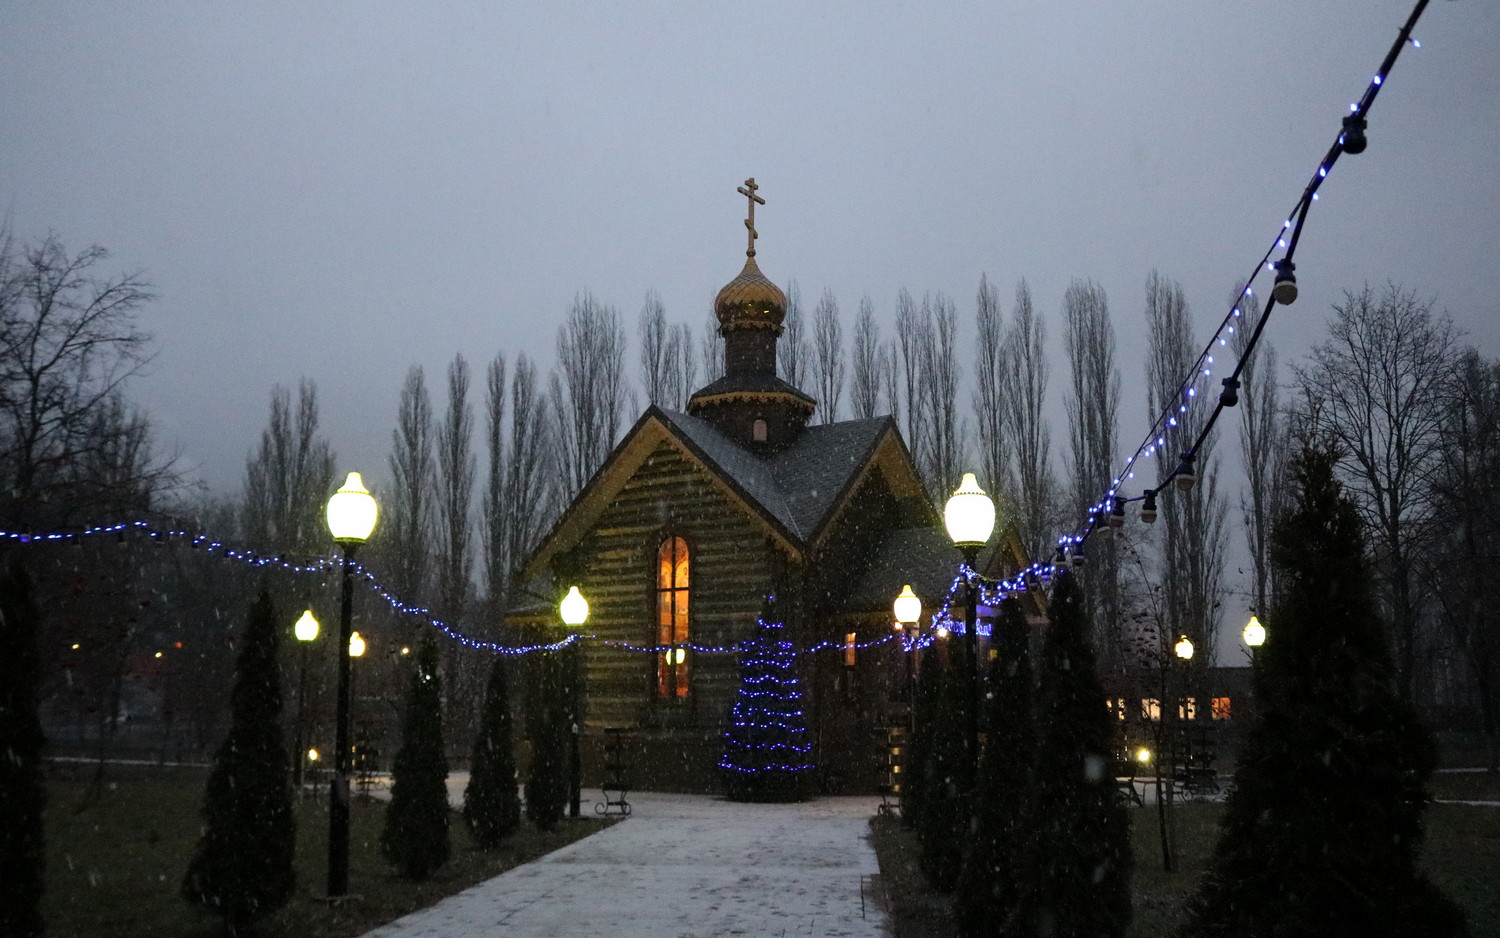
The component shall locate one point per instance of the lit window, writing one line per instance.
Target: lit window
(672, 593)
(758, 431)
(849, 649)
(1188, 709)
(1221, 708)
(1150, 709)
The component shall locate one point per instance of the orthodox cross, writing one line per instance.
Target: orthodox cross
(748, 191)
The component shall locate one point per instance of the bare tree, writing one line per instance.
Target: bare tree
(289, 477)
(1378, 389)
(455, 476)
(1025, 397)
(864, 383)
(990, 381)
(496, 560)
(588, 390)
(1464, 564)
(1264, 449)
(890, 380)
(68, 343)
(828, 349)
(531, 494)
(1093, 406)
(939, 395)
(1193, 520)
(913, 326)
(794, 354)
(711, 348)
(656, 353)
(407, 540)
(683, 367)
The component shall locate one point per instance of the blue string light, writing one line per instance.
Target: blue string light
(767, 732)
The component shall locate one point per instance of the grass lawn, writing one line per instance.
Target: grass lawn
(1462, 855)
(114, 867)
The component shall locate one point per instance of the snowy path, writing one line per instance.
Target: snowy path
(683, 866)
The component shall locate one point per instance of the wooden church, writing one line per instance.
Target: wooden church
(696, 517)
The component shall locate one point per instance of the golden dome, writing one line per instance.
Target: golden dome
(750, 300)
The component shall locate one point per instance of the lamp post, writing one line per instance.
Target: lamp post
(908, 611)
(574, 611)
(306, 629)
(969, 517)
(351, 517)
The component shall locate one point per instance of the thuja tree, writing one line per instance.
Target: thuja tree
(990, 888)
(918, 767)
(1079, 873)
(415, 838)
(546, 728)
(767, 753)
(22, 853)
(1320, 835)
(492, 804)
(943, 821)
(242, 868)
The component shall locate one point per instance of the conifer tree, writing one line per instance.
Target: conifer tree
(1079, 871)
(415, 838)
(546, 728)
(1321, 833)
(22, 796)
(943, 823)
(767, 753)
(242, 868)
(918, 769)
(990, 889)
(492, 804)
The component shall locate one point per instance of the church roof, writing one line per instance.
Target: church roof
(801, 484)
(796, 491)
(753, 385)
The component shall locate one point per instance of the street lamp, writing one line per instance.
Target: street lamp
(1254, 634)
(574, 611)
(908, 611)
(351, 517)
(306, 629)
(969, 517)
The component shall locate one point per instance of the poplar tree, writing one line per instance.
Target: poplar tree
(242, 868)
(415, 838)
(546, 726)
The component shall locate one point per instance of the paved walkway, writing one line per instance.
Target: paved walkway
(683, 866)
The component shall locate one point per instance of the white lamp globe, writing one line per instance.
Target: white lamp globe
(574, 608)
(969, 515)
(352, 512)
(1184, 648)
(306, 628)
(356, 645)
(1255, 633)
(908, 607)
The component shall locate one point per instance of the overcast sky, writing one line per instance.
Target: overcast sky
(341, 190)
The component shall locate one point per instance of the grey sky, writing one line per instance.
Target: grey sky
(340, 190)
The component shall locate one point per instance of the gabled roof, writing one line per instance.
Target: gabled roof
(795, 493)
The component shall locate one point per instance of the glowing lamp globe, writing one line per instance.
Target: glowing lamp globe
(1255, 633)
(306, 628)
(312, 755)
(1184, 648)
(351, 512)
(574, 609)
(356, 645)
(1143, 755)
(908, 607)
(969, 515)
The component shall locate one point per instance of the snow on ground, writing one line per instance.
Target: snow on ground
(683, 866)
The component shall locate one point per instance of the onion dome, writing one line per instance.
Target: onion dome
(750, 301)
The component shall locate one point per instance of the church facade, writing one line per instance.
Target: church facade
(695, 518)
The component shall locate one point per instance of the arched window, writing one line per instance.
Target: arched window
(758, 431)
(673, 591)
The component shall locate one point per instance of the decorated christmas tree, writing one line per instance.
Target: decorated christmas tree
(767, 754)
